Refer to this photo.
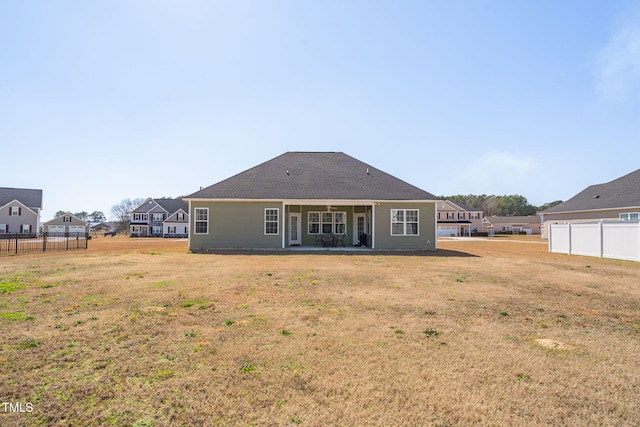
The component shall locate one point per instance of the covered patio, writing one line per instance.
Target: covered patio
(328, 224)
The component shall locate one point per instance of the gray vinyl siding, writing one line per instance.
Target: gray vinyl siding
(27, 217)
(236, 225)
(60, 221)
(426, 238)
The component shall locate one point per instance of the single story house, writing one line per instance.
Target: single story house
(458, 219)
(20, 210)
(529, 224)
(102, 227)
(310, 199)
(66, 223)
(617, 200)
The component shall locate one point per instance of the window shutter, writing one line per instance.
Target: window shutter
(30, 228)
(19, 211)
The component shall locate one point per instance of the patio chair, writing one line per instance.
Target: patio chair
(327, 240)
(338, 239)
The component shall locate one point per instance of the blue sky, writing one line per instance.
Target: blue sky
(106, 100)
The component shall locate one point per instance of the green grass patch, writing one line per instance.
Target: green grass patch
(16, 316)
(28, 343)
(11, 286)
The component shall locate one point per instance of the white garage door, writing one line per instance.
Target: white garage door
(56, 229)
(447, 231)
(76, 229)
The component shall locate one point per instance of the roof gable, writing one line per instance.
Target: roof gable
(74, 220)
(172, 205)
(623, 192)
(29, 198)
(456, 206)
(145, 207)
(174, 216)
(18, 202)
(313, 175)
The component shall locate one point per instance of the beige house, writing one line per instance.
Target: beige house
(458, 219)
(66, 223)
(617, 200)
(529, 224)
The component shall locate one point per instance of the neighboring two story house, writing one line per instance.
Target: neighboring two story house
(160, 217)
(20, 210)
(458, 219)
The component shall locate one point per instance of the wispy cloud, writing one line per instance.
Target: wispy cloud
(618, 63)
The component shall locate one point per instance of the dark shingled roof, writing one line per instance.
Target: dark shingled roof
(462, 206)
(30, 198)
(170, 205)
(308, 175)
(623, 192)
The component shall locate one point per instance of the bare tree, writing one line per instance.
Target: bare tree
(122, 213)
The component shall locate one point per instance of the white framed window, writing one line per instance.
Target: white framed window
(3, 228)
(139, 217)
(180, 216)
(340, 221)
(450, 215)
(631, 216)
(405, 222)
(201, 220)
(271, 220)
(66, 219)
(327, 222)
(506, 228)
(157, 229)
(314, 222)
(171, 230)
(474, 215)
(460, 215)
(14, 210)
(25, 228)
(158, 217)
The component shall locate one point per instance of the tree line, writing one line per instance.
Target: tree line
(507, 205)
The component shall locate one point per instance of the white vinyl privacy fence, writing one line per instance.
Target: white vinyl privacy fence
(605, 239)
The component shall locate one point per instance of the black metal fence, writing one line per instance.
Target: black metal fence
(18, 243)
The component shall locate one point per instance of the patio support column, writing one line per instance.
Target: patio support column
(373, 225)
(284, 223)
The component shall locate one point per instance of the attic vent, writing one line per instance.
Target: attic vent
(368, 171)
(597, 196)
(288, 173)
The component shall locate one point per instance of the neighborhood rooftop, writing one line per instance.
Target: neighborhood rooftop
(624, 191)
(313, 175)
(30, 198)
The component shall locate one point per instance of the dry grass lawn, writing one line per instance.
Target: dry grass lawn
(140, 332)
